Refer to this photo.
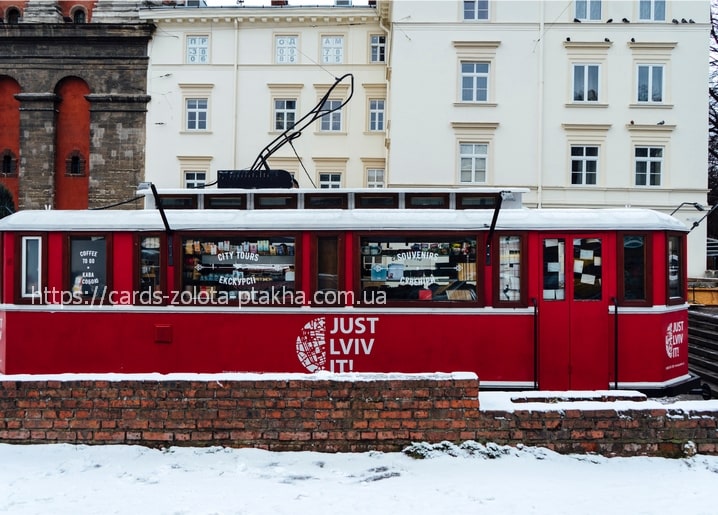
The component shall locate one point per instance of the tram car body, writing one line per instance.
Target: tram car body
(278, 281)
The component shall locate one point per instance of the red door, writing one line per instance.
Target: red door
(573, 314)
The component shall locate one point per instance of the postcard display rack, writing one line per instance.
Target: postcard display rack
(239, 264)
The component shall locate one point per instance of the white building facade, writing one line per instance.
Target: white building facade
(590, 103)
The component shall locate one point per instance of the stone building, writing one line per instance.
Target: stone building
(73, 101)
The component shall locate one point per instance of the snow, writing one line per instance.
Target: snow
(424, 479)
(68, 479)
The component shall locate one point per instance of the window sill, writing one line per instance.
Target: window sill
(475, 104)
(330, 133)
(650, 105)
(196, 132)
(586, 104)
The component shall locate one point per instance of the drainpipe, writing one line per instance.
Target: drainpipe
(235, 88)
(539, 122)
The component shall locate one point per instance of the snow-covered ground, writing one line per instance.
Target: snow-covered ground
(74, 480)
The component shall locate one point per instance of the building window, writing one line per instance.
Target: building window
(195, 180)
(476, 9)
(589, 10)
(9, 163)
(13, 16)
(376, 114)
(378, 48)
(31, 278)
(474, 82)
(285, 112)
(79, 16)
(473, 158)
(375, 178)
(197, 49)
(584, 164)
(649, 162)
(197, 114)
(652, 10)
(330, 180)
(332, 49)
(75, 164)
(332, 120)
(585, 82)
(286, 48)
(650, 83)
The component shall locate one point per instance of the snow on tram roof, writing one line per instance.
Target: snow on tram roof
(337, 219)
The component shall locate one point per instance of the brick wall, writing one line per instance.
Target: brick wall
(304, 412)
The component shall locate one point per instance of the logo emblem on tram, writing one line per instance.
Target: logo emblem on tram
(334, 343)
(675, 334)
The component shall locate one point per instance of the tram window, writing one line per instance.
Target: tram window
(421, 268)
(376, 200)
(88, 266)
(554, 277)
(475, 201)
(509, 270)
(327, 280)
(31, 278)
(150, 270)
(219, 270)
(224, 202)
(634, 258)
(428, 201)
(675, 269)
(178, 202)
(587, 269)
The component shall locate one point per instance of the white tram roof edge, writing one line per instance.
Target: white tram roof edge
(143, 220)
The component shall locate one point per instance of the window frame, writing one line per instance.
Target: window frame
(197, 241)
(292, 48)
(651, 67)
(194, 183)
(328, 121)
(372, 182)
(584, 160)
(475, 77)
(588, 13)
(198, 47)
(365, 257)
(496, 260)
(474, 156)
(21, 295)
(377, 49)
(197, 111)
(329, 182)
(286, 113)
(649, 161)
(652, 4)
(586, 82)
(475, 10)
(99, 296)
(377, 115)
(682, 264)
(332, 48)
(648, 269)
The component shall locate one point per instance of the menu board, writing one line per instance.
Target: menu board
(88, 265)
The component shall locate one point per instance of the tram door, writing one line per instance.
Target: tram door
(573, 319)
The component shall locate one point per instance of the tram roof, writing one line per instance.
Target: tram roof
(339, 219)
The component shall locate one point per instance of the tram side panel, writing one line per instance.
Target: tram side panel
(497, 348)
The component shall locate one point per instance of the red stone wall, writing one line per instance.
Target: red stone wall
(382, 413)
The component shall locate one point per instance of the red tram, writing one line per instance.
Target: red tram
(295, 280)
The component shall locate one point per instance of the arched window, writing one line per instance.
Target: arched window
(13, 16)
(75, 164)
(9, 163)
(79, 16)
